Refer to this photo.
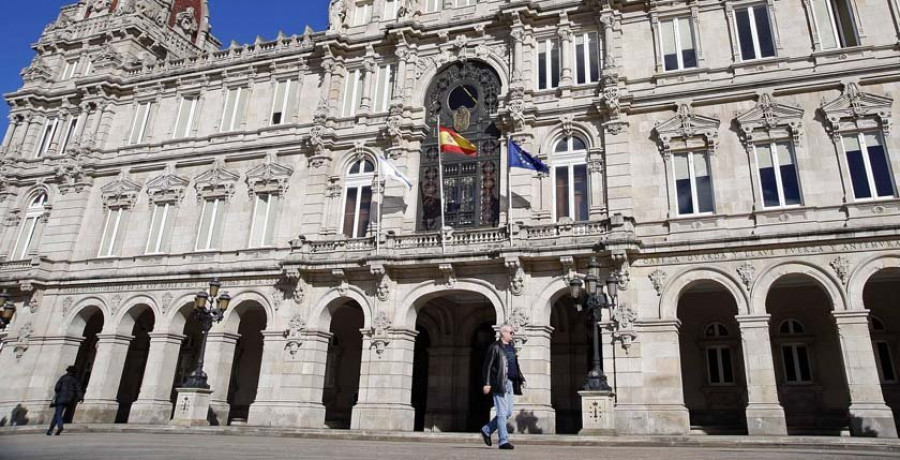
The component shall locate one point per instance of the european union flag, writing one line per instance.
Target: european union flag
(519, 158)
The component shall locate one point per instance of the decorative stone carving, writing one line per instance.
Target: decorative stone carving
(409, 9)
(167, 188)
(841, 267)
(624, 317)
(516, 276)
(269, 177)
(383, 286)
(276, 296)
(217, 182)
(337, 16)
(307, 41)
(67, 305)
(449, 275)
(120, 193)
(658, 278)
(684, 127)
(37, 70)
(380, 333)
(747, 271)
(71, 177)
(114, 303)
(33, 305)
(568, 263)
(186, 21)
(770, 120)
(23, 340)
(294, 336)
(166, 303)
(343, 286)
(518, 318)
(855, 110)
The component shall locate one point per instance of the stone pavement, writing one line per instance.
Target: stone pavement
(118, 445)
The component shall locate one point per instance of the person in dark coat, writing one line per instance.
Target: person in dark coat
(502, 379)
(68, 391)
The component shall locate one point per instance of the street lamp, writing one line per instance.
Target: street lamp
(8, 309)
(206, 315)
(590, 294)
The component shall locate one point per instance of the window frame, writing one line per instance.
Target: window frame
(68, 70)
(836, 28)
(139, 120)
(550, 45)
(433, 6)
(692, 175)
(384, 81)
(362, 13)
(352, 99)
(586, 55)
(390, 10)
(268, 222)
(110, 240)
(879, 360)
(37, 206)
(71, 129)
(358, 182)
(212, 227)
(190, 119)
(870, 178)
(51, 125)
(754, 32)
(231, 122)
(569, 160)
(773, 151)
(162, 227)
(679, 51)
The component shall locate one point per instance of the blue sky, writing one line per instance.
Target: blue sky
(241, 20)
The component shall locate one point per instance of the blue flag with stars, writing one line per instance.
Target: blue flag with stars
(519, 158)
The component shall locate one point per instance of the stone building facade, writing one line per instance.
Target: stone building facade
(732, 161)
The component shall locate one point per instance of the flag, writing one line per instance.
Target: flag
(452, 142)
(519, 158)
(391, 172)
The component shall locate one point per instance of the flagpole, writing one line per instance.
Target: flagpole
(508, 191)
(380, 187)
(441, 179)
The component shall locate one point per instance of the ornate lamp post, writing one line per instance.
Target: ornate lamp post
(206, 312)
(590, 293)
(8, 310)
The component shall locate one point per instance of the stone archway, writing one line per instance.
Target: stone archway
(341, 388)
(570, 360)
(135, 360)
(90, 321)
(881, 296)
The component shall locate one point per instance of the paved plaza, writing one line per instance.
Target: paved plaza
(101, 446)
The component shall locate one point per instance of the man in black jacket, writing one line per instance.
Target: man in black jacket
(502, 379)
(68, 391)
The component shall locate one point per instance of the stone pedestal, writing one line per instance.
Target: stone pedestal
(597, 413)
(191, 407)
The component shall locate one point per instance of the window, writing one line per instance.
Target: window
(677, 39)
(432, 6)
(210, 224)
(870, 171)
(139, 124)
(262, 230)
(466, 2)
(754, 32)
(720, 370)
(778, 175)
(158, 228)
(384, 88)
(26, 232)
(88, 67)
(47, 135)
(68, 70)
(233, 112)
(587, 57)
(285, 93)
(886, 370)
(548, 64)
(68, 133)
(570, 179)
(693, 183)
(111, 224)
(185, 118)
(358, 198)
(352, 92)
(363, 14)
(834, 23)
(390, 9)
(795, 356)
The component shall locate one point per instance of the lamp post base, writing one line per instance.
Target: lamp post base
(191, 407)
(597, 414)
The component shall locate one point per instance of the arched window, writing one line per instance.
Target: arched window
(570, 179)
(358, 198)
(719, 363)
(795, 354)
(881, 343)
(25, 237)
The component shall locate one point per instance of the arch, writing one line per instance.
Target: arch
(176, 317)
(415, 299)
(123, 321)
(239, 305)
(320, 315)
(498, 65)
(32, 193)
(74, 322)
(681, 281)
(543, 306)
(346, 158)
(768, 277)
(860, 275)
(582, 130)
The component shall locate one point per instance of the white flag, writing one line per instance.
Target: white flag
(391, 172)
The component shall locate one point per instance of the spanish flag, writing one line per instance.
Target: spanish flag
(452, 142)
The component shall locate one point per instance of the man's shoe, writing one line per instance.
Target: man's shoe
(58, 431)
(49, 432)
(507, 446)
(486, 438)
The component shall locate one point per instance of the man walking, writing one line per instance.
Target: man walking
(68, 391)
(502, 379)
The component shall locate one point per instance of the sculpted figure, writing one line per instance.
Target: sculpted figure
(337, 14)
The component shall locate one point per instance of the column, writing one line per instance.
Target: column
(597, 209)
(565, 52)
(385, 383)
(10, 131)
(17, 143)
(100, 405)
(217, 365)
(154, 405)
(291, 380)
(33, 130)
(869, 415)
(439, 405)
(82, 125)
(765, 415)
(534, 413)
(29, 381)
(368, 75)
(518, 36)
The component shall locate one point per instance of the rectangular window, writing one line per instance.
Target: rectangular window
(262, 230)
(390, 9)
(677, 39)
(432, 6)
(363, 14)
(23, 242)
(352, 92)
(466, 2)
(834, 22)
(47, 135)
(68, 133)
(88, 67)
(68, 70)
(233, 112)
(693, 183)
(778, 175)
(548, 64)
(754, 32)
(796, 363)
(719, 368)
(885, 362)
(384, 88)
(285, 93)
(139, 124)
(111, 226)
(185, 119)
(587, 57)
(356, 211)
(571, 188)
(870, 171)
(210, 223)
(158, 228)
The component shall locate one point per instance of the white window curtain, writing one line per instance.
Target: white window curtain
(352, 92)
(112, 222)
(158, 228)
(210, 224)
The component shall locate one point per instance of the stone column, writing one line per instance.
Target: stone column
(869, 415)
(385, 383)
(402, 54)
(534, 413)
(518, 36)
(765, 415)
(291, 380)
(10, 131)
(100, 405)
(368, 76)
(439, 408)
(32, 131)
(154, 405)
(565, 53)
(82, 124)
(218, 361)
